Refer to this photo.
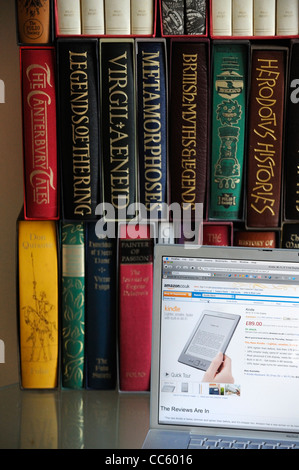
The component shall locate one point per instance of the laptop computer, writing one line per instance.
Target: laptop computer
(225, 350)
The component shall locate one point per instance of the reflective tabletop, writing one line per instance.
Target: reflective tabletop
(71, 419)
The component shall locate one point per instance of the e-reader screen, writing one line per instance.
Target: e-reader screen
(211, 335)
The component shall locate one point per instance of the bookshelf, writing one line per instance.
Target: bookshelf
(12, 191)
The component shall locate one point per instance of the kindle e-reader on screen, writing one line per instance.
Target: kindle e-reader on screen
(211, 335)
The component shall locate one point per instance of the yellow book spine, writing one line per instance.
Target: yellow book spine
(38, 303)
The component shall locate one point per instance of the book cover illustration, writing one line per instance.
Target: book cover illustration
(228, 132)
(34, 21)
(73, 305)
(38, 304)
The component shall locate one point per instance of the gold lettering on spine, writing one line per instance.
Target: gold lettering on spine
(152, 126)
(118, 119)
(264, 155)
(80, 133)
(38, 100)
(188, 130)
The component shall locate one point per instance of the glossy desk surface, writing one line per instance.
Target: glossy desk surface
(66, 419)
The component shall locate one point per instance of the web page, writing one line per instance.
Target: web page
(248, 321)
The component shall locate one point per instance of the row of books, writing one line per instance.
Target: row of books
(255, 18)
(137, 129)
(217, 18)
(105, 17)
(85, 301)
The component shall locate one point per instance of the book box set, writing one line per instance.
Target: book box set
(130, 104)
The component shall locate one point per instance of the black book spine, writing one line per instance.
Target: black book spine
(118, 108)
(78, 84)
(152, 125)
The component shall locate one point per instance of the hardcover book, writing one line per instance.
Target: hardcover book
(265, 137)
(34, 21)
(135, 308)
(152, 125)
(92, 17)
(221, 17)
(73, 305)
(290, 236)
(100, 313)
(291, 146)
(39, 132)
(242, 17)
(142, 17)
(259, 239)
(68, 17)
(79, 129)
(117, 17)
(264, 17)
(38, 304)
(188, 143)
(287, 17)
(118, 108)
(195, 16)
(229, 95)
(173, 17)
(216, 234)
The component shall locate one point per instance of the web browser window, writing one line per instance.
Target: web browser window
(229, 348)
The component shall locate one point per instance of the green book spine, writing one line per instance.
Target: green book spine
(228, 131)
(73, 305)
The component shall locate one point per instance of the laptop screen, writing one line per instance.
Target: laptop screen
(229, 344)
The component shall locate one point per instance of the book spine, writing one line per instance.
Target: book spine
(34, 22)
(228, 131)
(73, 305)
(68, 17)
(79, 127)
(195, 16)
(290, 236)
(119, 126)
(216, 234)
(39, 132)
(287, 17)
(264, 17)
(265, 136)
(242, 17)
(100, 313)
(38, 303)
(92, 17)
(291, 178)
(222, 17)
(188, 124)
(117, 17)
(173, 17)
(258, 239)
(152, 125)
(135, 312)
(142, 17)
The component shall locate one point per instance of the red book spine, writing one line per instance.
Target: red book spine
(135, 311)
(39, 132)
(216, 234)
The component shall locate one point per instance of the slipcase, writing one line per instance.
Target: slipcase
(59, 35)
(197, 39)
(245, 43)
(228, 225)
(271, 46)
(20, 43)
(22, 218)
(183, 35)
(26, 216)
(164, 216)
(213, 36)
